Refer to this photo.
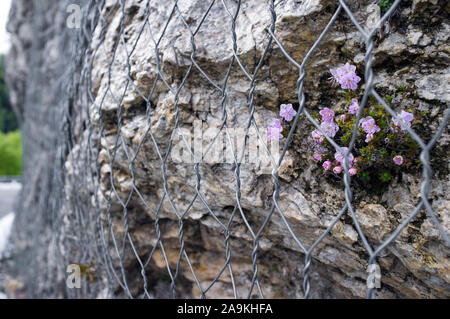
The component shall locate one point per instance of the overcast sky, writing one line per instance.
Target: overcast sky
(4, 12)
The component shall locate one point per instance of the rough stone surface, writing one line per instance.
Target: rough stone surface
(412, 49)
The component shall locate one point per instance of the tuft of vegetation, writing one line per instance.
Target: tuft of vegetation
(385, 5)
(383, 148)
(10, 154)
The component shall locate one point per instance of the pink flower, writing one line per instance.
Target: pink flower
(346, 76)
(327, 115)
(337, 75)
(337, 170)
(353, 171)
(340, 157)
(406, 117)
(353, 108)
(273, 133)
(274, 130)
(369, 137)
(326, 165)
(350, 81)
(276, 123)
(287, 112)
(348, 69)
(341, 71)
(369, 126)
(330, 128)
(398, 160)
(317, 136)
(317, 157)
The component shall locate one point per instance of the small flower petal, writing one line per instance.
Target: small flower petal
(326, 165)
(398, 160)
(317, 157)
(353, 108)
(287, 112)
(337, 170)
(327, 115)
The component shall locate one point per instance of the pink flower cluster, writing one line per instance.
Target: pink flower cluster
(330, 128)
(275, 128)
(338, 156)
(337, 169)
(406, 117)
(340, 160)
(328, 125)
(346, 76)
(370, 127)
(353, 108)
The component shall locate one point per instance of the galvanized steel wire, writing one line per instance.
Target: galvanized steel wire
(93, 235)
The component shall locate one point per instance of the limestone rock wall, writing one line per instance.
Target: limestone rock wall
(113, 167)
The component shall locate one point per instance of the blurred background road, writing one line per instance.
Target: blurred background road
(8, 193)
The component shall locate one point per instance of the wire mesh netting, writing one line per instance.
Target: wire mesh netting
(94, 151)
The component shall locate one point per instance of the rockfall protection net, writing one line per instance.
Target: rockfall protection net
(87, 231)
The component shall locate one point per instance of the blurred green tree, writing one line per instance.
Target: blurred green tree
(10, 154)
(10, 137)
(8, 121)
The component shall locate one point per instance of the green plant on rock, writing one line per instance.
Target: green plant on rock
(385, 5)
(382, 146)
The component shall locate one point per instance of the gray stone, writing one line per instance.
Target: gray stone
(415, 265)
(435, 86)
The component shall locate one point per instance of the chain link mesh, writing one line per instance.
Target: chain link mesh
(87, 229)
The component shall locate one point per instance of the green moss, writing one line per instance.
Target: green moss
(385, 176)
(365, 176)
(345, 139)
(274, 267)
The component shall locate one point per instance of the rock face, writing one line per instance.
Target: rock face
(133, 87)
